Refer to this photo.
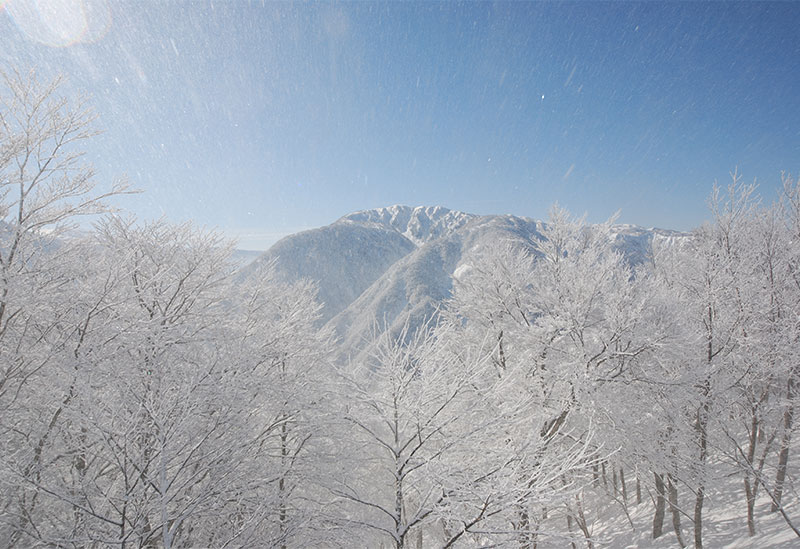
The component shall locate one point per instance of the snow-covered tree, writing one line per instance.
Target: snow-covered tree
(565, 315)
(410, 410)
(44, 188)
(285, 356)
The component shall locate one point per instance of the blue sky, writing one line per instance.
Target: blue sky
(264, 119)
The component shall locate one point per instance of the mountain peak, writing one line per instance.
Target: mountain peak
(419, 224)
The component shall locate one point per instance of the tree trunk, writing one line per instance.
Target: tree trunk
(658, 517)
(702, 434)
(524, 528)
(282, 503)
(580, 518)
(398, 482)
(163, 486)
(672, 489)
(638, 490)
(614, 481)
(749, 489)
(783, 456)
(569, 526)
(701, 427)
(751, 502)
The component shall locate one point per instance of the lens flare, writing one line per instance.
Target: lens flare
(60, 23)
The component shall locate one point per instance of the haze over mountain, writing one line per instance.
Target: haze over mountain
(375, 268)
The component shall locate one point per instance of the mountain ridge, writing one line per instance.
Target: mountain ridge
(376, 269)
(419, 224)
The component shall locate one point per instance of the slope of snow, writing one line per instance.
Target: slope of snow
(413, 287)
(343, 259)
(635, 242)
(724, 520)
(420, 282)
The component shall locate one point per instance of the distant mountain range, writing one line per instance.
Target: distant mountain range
(375, 267)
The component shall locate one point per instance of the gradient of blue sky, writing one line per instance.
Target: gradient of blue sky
(265, 119)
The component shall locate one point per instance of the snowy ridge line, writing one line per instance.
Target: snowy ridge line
(419, 224)
(392, 262)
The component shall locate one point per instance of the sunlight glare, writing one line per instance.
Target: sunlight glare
(61, 23)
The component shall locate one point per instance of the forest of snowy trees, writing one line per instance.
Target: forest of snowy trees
(152, 397)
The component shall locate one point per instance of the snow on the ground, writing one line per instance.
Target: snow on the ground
(724, 519)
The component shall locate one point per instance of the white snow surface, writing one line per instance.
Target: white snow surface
(724, 522)
(342, 259)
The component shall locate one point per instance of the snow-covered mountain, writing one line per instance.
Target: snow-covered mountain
(375, 267)
(420, 225)
(345, 258)
(419, 282)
